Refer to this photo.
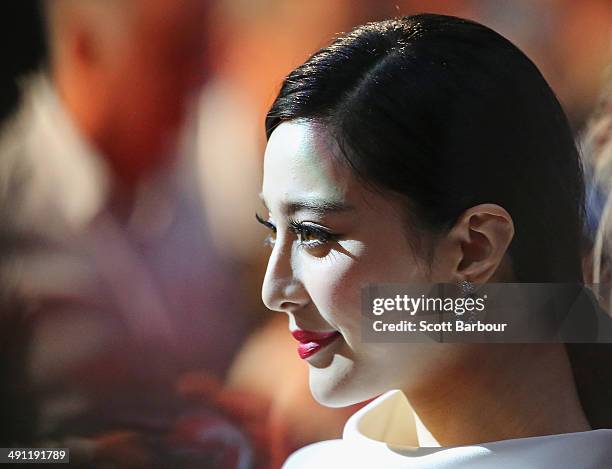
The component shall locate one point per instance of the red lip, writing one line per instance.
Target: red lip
(312, 342)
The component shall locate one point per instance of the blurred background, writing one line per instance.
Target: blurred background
(132, 329)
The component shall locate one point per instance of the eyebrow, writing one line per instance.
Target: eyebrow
(318, 206)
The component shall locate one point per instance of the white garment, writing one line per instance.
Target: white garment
(381, 435)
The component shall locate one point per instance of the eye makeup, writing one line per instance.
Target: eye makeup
(309, 235)
(271, 238)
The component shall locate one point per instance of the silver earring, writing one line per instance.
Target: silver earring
(467, 288)
(468, 291)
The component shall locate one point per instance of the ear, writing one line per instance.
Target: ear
(83, 45)
(483, 234)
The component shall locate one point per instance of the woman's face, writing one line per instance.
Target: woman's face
(330, 236)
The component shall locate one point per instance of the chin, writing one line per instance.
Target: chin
(338, 389)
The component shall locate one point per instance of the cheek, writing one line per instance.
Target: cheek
(334, 285)
(334, 282)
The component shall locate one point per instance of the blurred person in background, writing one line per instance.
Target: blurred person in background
(597, 154)
(122, 289)
(17, 404)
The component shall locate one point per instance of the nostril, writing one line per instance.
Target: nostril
(289, 307)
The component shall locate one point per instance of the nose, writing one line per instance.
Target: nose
(281, 290)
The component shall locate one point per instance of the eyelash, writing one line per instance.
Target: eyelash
(302, 231)
(270, 239)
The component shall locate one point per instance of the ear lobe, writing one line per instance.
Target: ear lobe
(485, 232)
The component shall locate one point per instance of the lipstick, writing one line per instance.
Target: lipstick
(312, 342)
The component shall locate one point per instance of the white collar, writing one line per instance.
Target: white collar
(382, 435)
(387, 426)
(388, 420)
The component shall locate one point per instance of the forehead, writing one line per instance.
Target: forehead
(301, 162)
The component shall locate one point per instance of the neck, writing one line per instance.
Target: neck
(491, 401)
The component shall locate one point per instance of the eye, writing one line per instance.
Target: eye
(271, 238)
(310, 235)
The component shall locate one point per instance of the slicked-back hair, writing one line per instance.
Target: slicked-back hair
(448, 114)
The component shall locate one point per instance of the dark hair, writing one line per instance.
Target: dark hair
(448, 114)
